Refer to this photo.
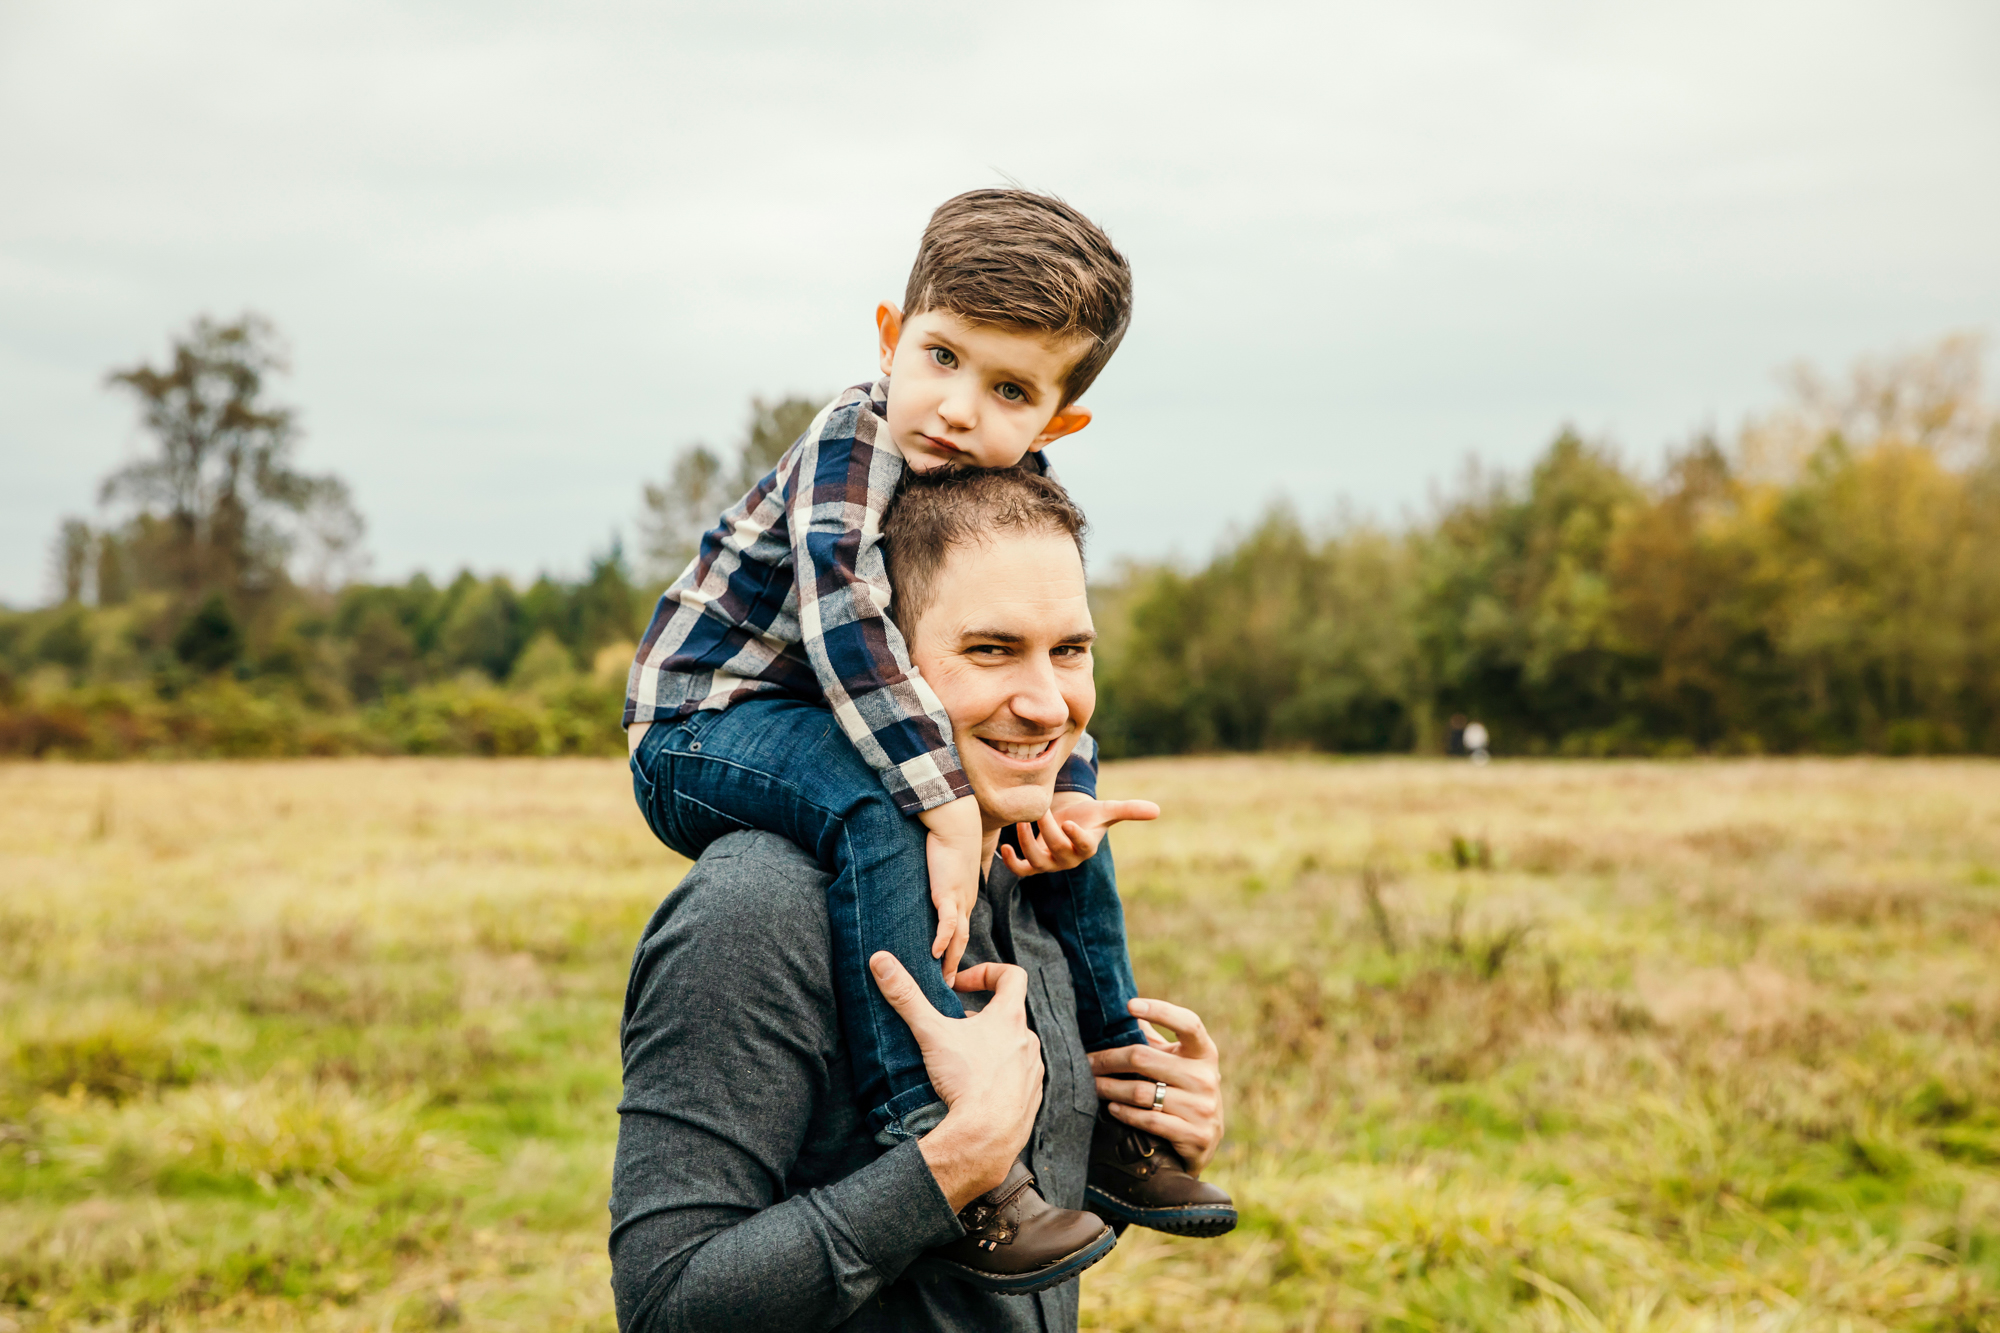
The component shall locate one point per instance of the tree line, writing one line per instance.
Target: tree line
(1828, 580)
(214, 610)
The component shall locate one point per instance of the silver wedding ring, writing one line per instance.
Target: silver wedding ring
(1159, 1096)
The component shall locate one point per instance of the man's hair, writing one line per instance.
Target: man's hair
(935, 511)
(1028, 261)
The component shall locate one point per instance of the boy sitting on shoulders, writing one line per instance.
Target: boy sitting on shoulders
(778, 631)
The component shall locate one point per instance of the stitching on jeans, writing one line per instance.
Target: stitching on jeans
(874, 1014)
(1090, 970)
(719, 814)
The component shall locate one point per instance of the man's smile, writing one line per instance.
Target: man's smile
(1020, 750)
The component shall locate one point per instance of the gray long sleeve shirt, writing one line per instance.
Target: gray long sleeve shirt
(747, 1193)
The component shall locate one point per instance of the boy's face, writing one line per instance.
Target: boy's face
(973, 395)
(1006, 646)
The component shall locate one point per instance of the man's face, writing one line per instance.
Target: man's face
(1006, 645)
(972, 395)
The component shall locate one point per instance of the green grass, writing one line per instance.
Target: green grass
(1592, 1046)
(326, 1045)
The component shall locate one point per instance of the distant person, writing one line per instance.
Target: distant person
(779, 634)
(1474, 742)
(749, 1191)
(1454, 736)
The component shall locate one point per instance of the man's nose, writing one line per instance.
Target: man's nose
(1038, 700)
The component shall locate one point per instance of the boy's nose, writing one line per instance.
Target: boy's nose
(958, 412)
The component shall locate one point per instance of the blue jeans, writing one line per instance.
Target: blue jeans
(784, 766)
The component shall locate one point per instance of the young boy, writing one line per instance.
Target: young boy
(1014, 305)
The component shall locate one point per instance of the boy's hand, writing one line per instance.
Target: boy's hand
(1070, 833)
(957, 835)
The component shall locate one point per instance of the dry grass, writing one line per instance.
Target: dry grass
(326, 1045)
(1594, 1046)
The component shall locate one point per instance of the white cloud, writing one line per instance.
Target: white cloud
(523, 254)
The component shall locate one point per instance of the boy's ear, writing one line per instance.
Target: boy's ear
(1066, 422)
(889, 329)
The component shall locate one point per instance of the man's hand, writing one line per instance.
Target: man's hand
(1070, 833)
(1192, 1070)
(987, 1068)
(954, 849)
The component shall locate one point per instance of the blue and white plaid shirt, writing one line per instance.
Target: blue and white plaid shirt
(789, 594)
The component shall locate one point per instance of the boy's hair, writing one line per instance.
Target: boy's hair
(935, 511)
(1030, 261)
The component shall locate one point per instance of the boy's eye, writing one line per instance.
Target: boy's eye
(943, 357)
(1013, 393)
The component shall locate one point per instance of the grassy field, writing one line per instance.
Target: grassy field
(1594, 1046)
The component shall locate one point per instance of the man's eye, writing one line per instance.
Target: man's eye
(943, 357)
(1013, 393)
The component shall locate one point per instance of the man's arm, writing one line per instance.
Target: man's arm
(728, 1020)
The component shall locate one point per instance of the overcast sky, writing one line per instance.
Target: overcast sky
(523, 253)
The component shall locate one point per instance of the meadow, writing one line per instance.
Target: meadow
(1546, 1045)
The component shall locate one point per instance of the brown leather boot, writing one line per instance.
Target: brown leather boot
(1138, 1178)
(1015, 1241)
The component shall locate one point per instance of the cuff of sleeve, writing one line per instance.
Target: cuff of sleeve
(894, 1208)
(1077, 776)
(949, 787)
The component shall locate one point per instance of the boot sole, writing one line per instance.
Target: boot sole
(1062, 1270)
(1202, 1219)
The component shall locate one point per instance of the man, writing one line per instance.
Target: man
(747, 1192)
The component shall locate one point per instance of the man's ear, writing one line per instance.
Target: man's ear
(1066, 422)
(889, 330)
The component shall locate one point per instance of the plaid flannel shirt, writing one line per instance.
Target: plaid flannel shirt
(789, 594)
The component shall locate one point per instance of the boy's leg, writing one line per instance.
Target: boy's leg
(1080, 908)
(880, 899)
(1135, 1178)
(783, 766)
